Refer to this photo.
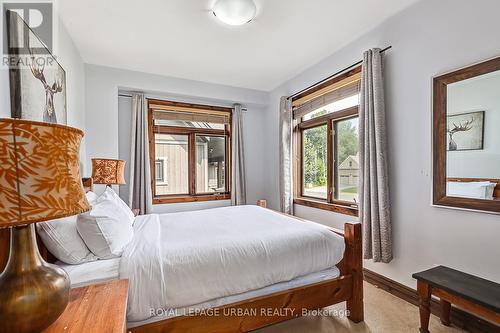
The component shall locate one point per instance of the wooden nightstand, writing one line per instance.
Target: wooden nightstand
(96, 308)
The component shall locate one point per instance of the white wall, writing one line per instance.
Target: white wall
(428, 38)
(477, 94)
(72, 63)
(108, 119)
(69, 58)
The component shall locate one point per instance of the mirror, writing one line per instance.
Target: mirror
(473, 128)
(467, 137)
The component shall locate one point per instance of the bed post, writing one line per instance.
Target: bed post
(353, 265)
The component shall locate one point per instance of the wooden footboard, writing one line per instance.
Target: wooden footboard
(262, 311)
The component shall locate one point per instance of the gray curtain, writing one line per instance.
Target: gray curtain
(374, 188)
(140, 195)
(285, 175)
(238, 192)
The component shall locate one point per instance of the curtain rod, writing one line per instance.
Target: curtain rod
(130, 96)
(333, 75)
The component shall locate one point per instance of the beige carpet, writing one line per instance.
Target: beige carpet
(384, 313)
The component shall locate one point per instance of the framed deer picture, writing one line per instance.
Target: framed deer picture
(37, 80)
(465, 131)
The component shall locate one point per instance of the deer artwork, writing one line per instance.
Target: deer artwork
(49, 113)
(462, 127)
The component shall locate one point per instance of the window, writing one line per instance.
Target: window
(315, 162)
(347, 155)
(210, 164)
(326, 145)
(189, 151)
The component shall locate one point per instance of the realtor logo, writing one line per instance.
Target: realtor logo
(19, 18)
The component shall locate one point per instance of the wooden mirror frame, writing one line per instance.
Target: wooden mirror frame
(440, 84)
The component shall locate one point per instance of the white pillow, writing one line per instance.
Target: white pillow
(490, 191)
(62, 240)
(110, 195)
(107, 228)
(91, 197)
(477, 190)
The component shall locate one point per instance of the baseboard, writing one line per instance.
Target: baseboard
(459, 318)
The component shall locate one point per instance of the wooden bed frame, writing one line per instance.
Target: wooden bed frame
(269, 309)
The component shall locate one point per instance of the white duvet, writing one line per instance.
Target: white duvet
(180, 259)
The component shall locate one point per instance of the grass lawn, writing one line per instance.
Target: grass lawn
(350, 190)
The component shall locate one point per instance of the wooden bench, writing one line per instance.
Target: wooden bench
(469, 292)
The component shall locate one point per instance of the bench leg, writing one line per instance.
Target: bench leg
(424, 293)
(445, 312)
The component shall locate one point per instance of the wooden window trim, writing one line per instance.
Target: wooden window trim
(299, 125)
(332, 207)
(192, 196)
(168, 199)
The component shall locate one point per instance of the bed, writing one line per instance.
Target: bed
(478, 188)
(191, 272)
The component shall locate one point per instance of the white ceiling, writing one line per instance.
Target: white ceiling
(181, 38)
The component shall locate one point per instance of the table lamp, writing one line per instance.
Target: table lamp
(108, 171)
(39, 181)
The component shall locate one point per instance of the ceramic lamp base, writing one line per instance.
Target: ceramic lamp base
(33, 293)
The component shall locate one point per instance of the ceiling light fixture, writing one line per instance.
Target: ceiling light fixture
(235, 12)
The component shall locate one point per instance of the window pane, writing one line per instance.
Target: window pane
(315, 162)
(345, 103)
(172, 151)
(347, 158)
(159, 170)
(210, 164)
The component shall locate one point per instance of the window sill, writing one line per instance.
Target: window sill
(336, 208)
(188, 198)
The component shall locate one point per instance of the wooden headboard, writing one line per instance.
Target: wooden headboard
(88, 185)
(496, 192)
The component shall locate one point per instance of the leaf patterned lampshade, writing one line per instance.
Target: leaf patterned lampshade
(108, 171)
(39, 172)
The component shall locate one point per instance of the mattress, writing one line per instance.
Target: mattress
(92, 272)
(107, 270)
(180, 259)
(163, 314)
